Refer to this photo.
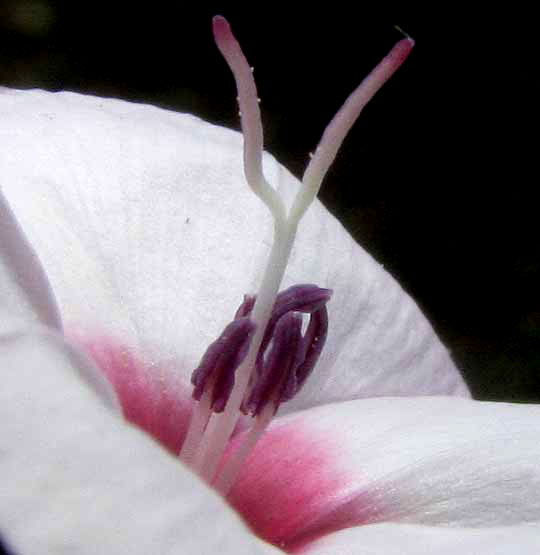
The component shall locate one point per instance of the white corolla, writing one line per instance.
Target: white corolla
(128, 238)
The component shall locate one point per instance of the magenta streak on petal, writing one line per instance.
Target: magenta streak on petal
(150, 397)
(291, 491)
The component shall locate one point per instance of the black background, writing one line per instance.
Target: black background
(436, 180)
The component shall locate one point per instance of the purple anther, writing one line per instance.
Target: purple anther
(220, 362)
(312, 346)
(285, 355)
(306, 298)
(246, 307)
(286, 358)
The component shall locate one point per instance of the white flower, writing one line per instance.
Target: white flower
(146, 239)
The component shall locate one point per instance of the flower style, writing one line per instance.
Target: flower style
(127, 236)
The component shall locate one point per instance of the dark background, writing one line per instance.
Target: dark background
(437, 178)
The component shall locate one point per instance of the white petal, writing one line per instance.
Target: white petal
(150, 237)
(77, 479)
(24, 289)
(402, 539)
(436, 461)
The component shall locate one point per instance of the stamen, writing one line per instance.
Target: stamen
(221, 360)
(306, 298)
(283, 374)
(313, 343)
(228, 475)
(199, 419)
(246, 307)
(286, 354)
(218, 428)
(214, 379)
(284, 357)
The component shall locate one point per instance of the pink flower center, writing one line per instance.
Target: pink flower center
(288, 488)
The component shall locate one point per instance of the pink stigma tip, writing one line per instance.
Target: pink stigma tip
(221, 28)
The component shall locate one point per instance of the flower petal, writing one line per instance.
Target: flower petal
(435, 461)
(78, 479)
(150, 237)
(403, 539)
(24, 288)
